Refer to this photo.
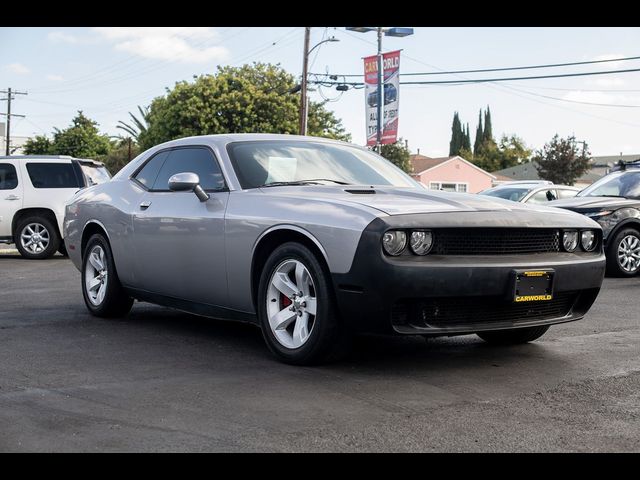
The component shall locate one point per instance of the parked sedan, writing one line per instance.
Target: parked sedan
(535, 192)
(614, 202)
(314, 239)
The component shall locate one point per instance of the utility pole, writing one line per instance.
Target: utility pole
(380, 94)
(303, 84)
(9, 115)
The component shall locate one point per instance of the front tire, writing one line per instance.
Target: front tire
(36, 238)
(513, 337)
(296, 308)
(103, 294)
(623, 254)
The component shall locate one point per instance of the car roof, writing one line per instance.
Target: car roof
(50, 157)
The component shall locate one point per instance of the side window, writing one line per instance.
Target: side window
(8, 177)
(197, 160)
(147, 175)
(543, 196)
(53, 175)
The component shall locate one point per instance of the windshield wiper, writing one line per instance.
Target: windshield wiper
(310, 181)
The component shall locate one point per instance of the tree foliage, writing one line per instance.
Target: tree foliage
(459, 136)
(122, 152)
(251, 98)
(39, 145)
(398, 154)
(561, 161)
(81, 139)
(137, 125)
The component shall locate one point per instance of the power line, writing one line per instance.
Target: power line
(492, 80)
(503, 69)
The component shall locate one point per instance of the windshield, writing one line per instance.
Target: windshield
(95, 174)
(508, 193)
(618, 184)
(261, 163)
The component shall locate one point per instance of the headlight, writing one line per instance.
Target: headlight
(599, 214)
(588, 240)
(570, 240)
(394, 241)
(421, 241)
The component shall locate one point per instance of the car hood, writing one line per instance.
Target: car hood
(401, 201)
(594, 203)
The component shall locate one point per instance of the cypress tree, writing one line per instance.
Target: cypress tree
(456, 136)
(466, 144)
(477, 145)
(487, 134)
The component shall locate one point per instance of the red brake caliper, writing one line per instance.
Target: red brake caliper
(284, 300)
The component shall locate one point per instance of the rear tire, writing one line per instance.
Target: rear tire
(513, 337)
(36, 238)
(103, 294)
(619, 262)
(299, 329)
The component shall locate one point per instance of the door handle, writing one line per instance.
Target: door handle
(12, 197)
(144, 205)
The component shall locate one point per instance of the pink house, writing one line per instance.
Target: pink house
(453, 174)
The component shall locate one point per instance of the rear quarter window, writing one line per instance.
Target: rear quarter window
(53, 175)
(8, 176)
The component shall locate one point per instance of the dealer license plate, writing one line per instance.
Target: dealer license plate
(533, 285)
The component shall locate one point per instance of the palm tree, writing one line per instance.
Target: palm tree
(139, 124)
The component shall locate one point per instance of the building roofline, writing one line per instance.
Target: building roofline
(465, 161)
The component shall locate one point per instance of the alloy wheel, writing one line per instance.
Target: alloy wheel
(96, 275)
(291, 304)
(629, 254)
(35, 238)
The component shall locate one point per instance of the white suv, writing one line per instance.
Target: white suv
(33, 193)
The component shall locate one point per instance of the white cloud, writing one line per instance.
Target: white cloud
(54, 78)
(602, 97)
(62, 37)
(184, 44)
(608, 82)
(18, 69)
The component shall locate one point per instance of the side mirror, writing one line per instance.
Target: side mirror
(188, 182)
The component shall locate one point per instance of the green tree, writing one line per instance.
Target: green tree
(509, 152)
(138, 125)
(122, 152)
(487, 132)
(466, 141)
(513, 151)
(81, 139)
(398, 154)
(39, 145)
(560, 160)
(457, 136)
(477, 145)
(251, 98)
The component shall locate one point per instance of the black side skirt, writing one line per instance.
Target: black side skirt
(202, 309)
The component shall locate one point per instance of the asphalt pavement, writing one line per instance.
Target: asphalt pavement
(162, 380)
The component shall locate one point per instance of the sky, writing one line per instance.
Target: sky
(108, 71)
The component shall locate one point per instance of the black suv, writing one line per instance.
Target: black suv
(614, 202)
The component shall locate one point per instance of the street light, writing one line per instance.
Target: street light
(390, 32)
(304, 110)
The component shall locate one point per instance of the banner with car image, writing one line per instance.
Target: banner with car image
(391, 94)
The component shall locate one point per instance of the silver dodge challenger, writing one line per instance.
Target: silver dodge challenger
(314, 240)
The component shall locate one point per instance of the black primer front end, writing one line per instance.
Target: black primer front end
(449, 294)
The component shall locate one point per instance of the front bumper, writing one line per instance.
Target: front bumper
(451, 295)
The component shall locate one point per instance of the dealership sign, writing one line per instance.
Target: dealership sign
(391, 96)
